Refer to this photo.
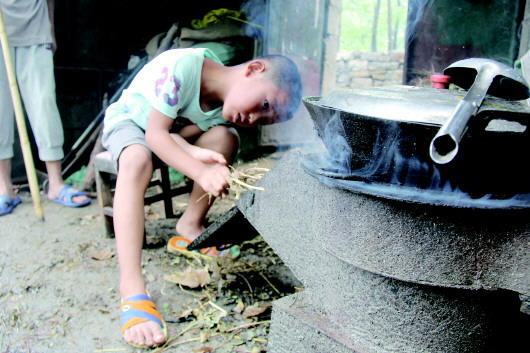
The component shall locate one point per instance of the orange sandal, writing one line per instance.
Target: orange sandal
(211, 251)
(179, 245)
(138, 309)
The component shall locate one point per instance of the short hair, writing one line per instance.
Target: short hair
(284, 73)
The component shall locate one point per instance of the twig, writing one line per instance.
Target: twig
(218, 308)
(249, 325)
(190, 293)
(246, 281)
(259, 169)
(203, 196)
(270, 284)
(254, 177)
(246, 185)
(165, 348)
(169, 342)
(237, 185)
(247, 22)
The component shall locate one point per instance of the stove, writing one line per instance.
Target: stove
(398, 252)
(383, 275)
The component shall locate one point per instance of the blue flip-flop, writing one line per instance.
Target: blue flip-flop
(7, 204)
(67, 194)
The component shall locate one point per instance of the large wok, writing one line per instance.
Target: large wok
(378, 143)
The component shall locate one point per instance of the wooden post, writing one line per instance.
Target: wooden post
(21, 123)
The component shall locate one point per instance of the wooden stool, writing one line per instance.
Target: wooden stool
(104, 170)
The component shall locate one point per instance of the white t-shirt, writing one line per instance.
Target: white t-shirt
(170, 83)
(27, 22)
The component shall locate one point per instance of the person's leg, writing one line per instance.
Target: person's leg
(132, 158)
(6, 188)
(56, 182)
(135, 171)
(35, 74)
(8, 198)
(225, 141)
(128, 212)
(55, 179)
(7, 124)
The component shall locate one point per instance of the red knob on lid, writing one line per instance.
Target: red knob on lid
(440, 80)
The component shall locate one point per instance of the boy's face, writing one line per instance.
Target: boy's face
(253, 101)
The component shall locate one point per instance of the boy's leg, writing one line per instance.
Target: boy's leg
(128, 212)
(135, 171)
(220, 139)
(132, 158)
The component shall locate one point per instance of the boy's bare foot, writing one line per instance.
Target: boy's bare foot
(144, 334)
(188, 230)
(147, 333)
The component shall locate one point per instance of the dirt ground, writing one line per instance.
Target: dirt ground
(59, 277)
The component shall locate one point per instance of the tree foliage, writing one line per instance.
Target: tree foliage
(357, 25)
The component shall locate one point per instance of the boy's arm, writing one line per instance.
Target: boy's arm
(177, 153)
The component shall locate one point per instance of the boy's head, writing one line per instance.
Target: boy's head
(268, 91)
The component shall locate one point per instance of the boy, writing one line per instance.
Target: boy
(189, 86)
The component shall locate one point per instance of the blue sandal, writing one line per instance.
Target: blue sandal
(7, 204)
(67, 194)
(137, 309)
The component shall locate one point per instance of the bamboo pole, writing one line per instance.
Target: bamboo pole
(21, 123)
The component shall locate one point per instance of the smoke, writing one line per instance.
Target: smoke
(338, 148)
(391, 160)
(400, 168)
(255, 12)
(337, 159)
(416, 10)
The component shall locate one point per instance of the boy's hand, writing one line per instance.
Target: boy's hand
(214, 179)
(207, 156)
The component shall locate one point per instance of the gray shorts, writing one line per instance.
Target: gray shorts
(122, 135)
(128, 133)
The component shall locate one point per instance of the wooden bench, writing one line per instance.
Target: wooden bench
(105, 174)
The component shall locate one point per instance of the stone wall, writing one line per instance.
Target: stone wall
(366, 69)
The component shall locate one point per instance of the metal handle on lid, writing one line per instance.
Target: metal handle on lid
(445, 145)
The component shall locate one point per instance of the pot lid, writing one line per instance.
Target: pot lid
(421, 105)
